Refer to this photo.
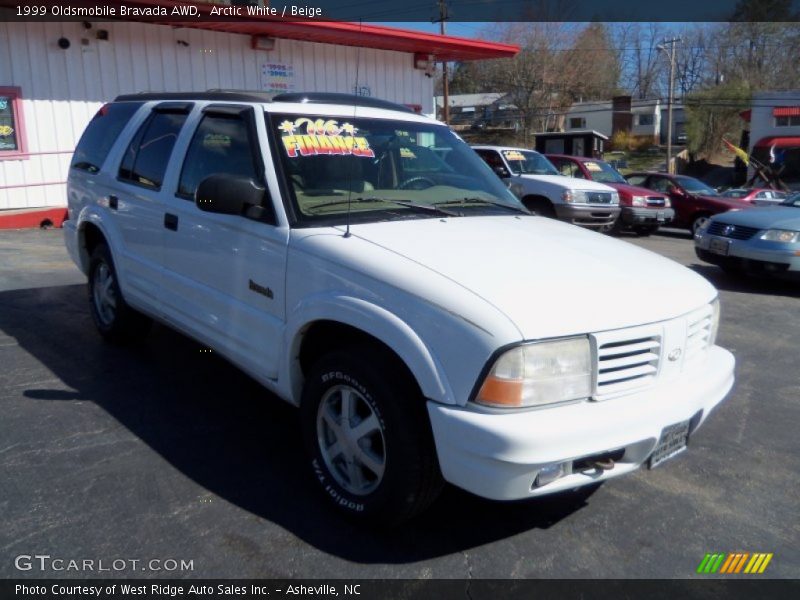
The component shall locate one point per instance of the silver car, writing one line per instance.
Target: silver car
(764, 240)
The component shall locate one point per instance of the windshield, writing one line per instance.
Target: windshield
(525, 162)
(695, 186)
(603, 172)
(383, 169)
(736, 193)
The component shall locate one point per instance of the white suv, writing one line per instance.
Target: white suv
(364, 264)
(540, 186)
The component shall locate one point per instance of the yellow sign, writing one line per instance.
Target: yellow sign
(323, 137)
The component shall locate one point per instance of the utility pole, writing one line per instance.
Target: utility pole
(445, 84)
(671, 56)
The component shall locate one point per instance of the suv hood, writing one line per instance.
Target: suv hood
(549, 278)
(573, 183)
(634, 190)
(772, 217)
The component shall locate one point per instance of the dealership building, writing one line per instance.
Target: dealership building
(54, 76)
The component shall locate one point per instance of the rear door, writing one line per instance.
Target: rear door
(137, 203)
(224, 274)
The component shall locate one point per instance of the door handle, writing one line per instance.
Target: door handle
(113, 202)
(171, 221)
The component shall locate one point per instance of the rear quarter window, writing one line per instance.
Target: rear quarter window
(101, 133)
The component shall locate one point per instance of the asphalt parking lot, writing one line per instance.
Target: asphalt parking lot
(165, 452)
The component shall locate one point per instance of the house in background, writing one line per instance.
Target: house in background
(54, 76)
(490, 110)
(641, 118)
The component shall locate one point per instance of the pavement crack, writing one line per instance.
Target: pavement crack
(468, 565)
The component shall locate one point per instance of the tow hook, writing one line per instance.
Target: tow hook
(605, 464)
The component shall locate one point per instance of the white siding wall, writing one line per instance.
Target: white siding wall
(762, 121)
(62, 89)
(597, 116)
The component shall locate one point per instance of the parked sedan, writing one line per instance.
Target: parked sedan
(765, 240)
(694, 202)
(757, 196)
(642, 210)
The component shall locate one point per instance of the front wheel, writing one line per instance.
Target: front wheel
(699, 222)
(368, 436)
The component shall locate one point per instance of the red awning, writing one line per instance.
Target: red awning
(786, 111)
(364, 35)
(779, 142)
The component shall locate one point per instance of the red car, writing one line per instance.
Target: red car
(694, 202)
(759, 196)
(642, 210)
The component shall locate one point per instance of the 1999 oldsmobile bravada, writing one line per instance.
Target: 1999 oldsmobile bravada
(364, 264)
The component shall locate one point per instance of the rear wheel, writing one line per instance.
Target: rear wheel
(114, 319)
(368, 436)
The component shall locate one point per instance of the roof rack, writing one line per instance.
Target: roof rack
(214, 95)
(346, 99)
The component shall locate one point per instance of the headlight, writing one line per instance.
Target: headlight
(578, 196)
(781, 235)
(639, 201)
(615, 199)
(667, 203)
(712, 334)
(539, 373)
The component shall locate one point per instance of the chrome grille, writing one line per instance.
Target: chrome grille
(736, 232)
(598, 197)
(656, 201)
(698, 332)
(627, 364)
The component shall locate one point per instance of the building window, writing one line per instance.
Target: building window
(13, 143)
(577, 123)
(646, 119)
(793, 121)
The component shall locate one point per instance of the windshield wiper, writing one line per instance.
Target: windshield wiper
(484, 201)
(406, 203)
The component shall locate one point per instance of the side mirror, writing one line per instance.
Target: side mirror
(231, 195)
(501, 172)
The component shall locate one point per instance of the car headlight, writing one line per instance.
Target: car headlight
(781, 235)
(615, 198)
(667, 203)
(639, 201)
(712, 334)
(578, 196)
(539, 373)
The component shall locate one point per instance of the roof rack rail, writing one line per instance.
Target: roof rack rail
(334, 98)
(214, 95)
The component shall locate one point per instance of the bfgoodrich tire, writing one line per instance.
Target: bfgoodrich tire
(114, 319)
(368, 437)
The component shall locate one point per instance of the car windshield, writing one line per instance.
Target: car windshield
(695, 186)
(603, 172)
(736, 193)
(525, 162)
(383, 169)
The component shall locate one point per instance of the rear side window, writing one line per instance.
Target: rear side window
(491, 158)
(221, 145)
(637, 180)
(100, 135)
(146, 157)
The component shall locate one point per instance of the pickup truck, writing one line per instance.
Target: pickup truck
(544, 190)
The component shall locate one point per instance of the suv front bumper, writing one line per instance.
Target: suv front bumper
(646, 216)
(587, 215)
(498, 455)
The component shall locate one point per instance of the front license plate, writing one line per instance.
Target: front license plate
(660, 215)
(718, 246)
(673, 441)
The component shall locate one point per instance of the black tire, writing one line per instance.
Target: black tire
(118, 323)
(644, 231)
(698, 221)
(541, 207)
(402, 438)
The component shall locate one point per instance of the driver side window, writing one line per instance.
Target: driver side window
(221, 145)
(661, 184)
